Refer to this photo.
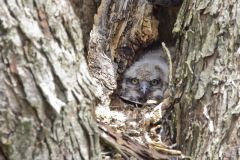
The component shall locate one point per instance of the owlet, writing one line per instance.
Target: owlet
(146, 79)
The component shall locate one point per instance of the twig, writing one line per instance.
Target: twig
(166, 51)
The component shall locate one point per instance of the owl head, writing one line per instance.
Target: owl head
(146, 79)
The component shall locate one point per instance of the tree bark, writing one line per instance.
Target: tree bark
(47, 96)
(85, 10)
(121, 29)
(46, 93)
(207, 79)
(206, 67)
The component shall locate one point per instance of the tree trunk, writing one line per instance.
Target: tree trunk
(47, 96)
(206, 66)
(46, 93)
(207, 79)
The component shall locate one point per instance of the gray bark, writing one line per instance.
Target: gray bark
(85, 10)
(206, 67)
(208, 79)
(46, 93)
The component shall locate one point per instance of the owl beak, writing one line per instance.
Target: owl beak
(144, 87)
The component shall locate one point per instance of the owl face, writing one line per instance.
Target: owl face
(145, 79)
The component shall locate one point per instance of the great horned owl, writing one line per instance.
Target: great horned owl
(146, 79)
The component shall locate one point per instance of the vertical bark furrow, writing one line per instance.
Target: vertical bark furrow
(209, 49)
(43, 70)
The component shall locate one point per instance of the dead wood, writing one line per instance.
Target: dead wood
(127, 147)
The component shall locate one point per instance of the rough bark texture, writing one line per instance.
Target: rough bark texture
(207, 79)
(206, 73)
(122, 28)
(115, 26)
(46, 93)
(85, 10)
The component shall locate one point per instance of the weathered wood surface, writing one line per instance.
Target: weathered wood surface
(120, 28)
(206, 68)
(208, 79)
(46, 93)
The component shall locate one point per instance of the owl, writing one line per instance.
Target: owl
(146, 79)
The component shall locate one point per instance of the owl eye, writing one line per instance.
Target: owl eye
(154, 82)
(134, 81)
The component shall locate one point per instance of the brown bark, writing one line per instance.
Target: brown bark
(121, 29)
(129, 148)
(206, 71)
(207, 79)
(46, 93)
(85, 10)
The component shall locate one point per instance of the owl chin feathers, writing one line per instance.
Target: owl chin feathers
(146, 79)
(138, 98)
